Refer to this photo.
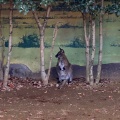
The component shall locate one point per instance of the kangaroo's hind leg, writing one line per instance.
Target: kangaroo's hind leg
(62, 84)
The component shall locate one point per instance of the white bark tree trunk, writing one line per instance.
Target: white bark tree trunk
(6, 74)
(93, 53)
(42, 61)
(41, 32)
(44, 76)
(51, 52)
(2, 59)
(1, 43)
(100, 45)
(2, 39)
(87, 39)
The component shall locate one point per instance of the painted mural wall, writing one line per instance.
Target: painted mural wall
(70, 37)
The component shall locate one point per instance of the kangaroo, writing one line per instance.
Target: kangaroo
(64, 69)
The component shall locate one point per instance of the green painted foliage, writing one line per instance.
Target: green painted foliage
(76, 43)
(31, 40)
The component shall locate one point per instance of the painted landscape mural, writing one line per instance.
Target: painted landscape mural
(70, 37)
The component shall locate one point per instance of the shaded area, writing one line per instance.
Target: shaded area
(109, 71)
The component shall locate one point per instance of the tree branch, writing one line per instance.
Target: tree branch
(51, 52)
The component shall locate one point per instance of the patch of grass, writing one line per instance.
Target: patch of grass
(31, 56)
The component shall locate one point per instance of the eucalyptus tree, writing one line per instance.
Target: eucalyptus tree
(46, 6)
(2, 46)
(89, 9)
(100, 43)
(26, 6)
(113, 7)
(6, 72)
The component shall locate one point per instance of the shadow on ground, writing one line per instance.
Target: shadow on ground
(109, 71)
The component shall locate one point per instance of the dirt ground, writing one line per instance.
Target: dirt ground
(77, 101)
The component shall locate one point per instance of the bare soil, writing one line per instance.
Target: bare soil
(77, 101)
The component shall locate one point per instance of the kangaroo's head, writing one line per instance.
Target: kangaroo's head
(60, 53)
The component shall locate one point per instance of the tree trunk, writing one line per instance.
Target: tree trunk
(9, 47)
(100, 45)
(42, 61)
(52, 47)
(2, 41)
(87, 61)
(3, 54)
(1, 69)
(2, 58)
(93, 53)
(0, 23)
(87, 39)
(42, 33)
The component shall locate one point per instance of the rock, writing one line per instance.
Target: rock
(19, 70)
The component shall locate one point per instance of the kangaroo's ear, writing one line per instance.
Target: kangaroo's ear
(60, 48)
(63, 51)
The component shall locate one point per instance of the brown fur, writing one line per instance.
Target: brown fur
(64, 68)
